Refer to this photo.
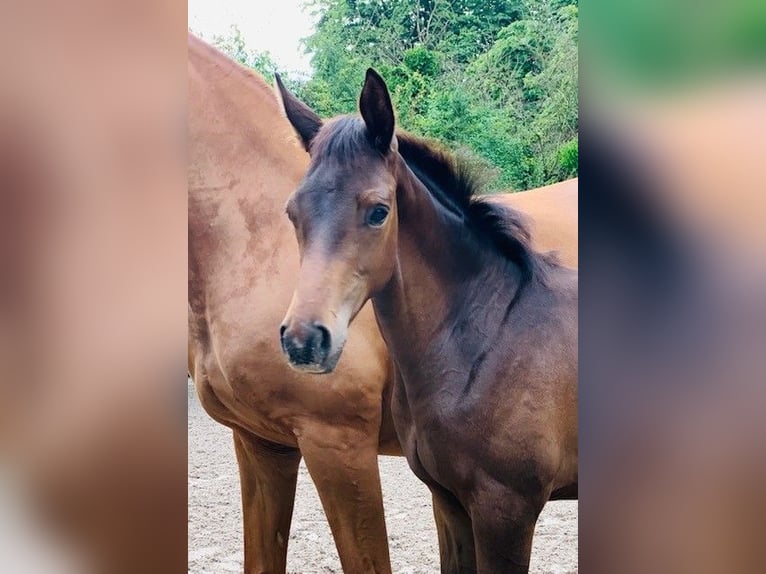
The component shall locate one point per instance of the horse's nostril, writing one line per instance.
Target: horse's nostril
(324, 338)
(282, 329)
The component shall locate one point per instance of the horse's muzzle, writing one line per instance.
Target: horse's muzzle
(307, 346)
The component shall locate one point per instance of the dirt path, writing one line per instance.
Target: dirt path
(215, 516)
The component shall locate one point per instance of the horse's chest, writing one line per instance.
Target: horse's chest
(430, 437)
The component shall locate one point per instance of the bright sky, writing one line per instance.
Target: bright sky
(275, 26)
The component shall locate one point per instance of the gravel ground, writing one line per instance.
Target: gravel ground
(215, 515)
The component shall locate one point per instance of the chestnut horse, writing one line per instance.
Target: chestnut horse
(244, 161)
(482, 329)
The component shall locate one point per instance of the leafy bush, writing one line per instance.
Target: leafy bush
(496, 80)
(422, 60)
(566, 157)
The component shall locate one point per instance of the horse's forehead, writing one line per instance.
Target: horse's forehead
(347, 175)
(323, 188)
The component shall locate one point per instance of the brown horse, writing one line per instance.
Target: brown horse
(482, 329)
(243, 265)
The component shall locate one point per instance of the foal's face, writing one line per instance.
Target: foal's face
(344, 214)
(345, 222)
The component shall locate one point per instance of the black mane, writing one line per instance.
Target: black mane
(449, 180)
(454, 184)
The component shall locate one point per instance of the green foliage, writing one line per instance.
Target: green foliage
(495, 80)
(423, 60)
(567, 159)
(234, 46)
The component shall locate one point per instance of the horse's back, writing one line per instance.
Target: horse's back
(553, 213)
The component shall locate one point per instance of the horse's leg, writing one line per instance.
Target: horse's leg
(343, 464)
(453, 527)
(268, 474)
(503, 526)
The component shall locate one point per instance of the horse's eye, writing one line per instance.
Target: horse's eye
(377, 215)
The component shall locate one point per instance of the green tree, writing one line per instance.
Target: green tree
(495, 80)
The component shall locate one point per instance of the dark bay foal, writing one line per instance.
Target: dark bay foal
(482, 330)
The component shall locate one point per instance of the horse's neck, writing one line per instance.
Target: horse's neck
(444, 293)
(243, 164)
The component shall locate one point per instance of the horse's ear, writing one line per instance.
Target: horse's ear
(302, 117)
(377, 111)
